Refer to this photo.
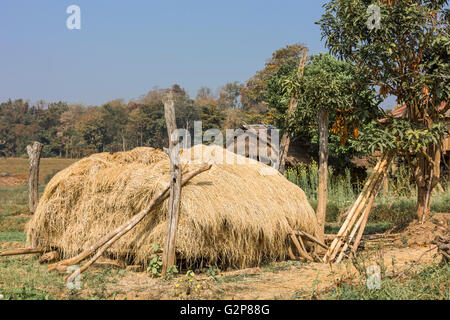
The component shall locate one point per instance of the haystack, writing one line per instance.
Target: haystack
(236, 214)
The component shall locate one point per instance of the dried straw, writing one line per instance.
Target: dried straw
(235, 215)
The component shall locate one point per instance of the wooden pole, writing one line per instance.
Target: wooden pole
(311, 238)
(17, 252)
(340, 241)
(169, 258)
(34, 154)
(285, 139)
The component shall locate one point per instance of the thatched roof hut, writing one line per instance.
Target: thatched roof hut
(234, 214)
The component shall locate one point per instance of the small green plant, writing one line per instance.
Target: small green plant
(213, 272)
(404, 240)
(155, 264)
(171, 272)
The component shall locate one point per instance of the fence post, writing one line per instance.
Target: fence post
(34, 154)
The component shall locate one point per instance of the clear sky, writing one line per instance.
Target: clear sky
(125, 48)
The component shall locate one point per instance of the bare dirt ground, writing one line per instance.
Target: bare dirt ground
(292, 279)
(282, 280)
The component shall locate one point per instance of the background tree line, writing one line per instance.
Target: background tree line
(75, 131)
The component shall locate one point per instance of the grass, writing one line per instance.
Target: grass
(13, 237)
(430, 282)
(23, 278)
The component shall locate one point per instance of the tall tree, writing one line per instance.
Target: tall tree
(408, 57)
(254, 93)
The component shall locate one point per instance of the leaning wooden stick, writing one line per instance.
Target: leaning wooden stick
(17, 252)
(300, 249)
(156, 200)
(311, 238)
(122, 230)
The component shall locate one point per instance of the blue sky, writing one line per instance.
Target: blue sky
(125, 48)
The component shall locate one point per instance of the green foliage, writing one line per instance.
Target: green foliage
(340, 186)
(255, 94)
(171, 272)
(408, 52)
(403, 136)
(327, 84)
(13, 237)
(155, 264)
(213, 272)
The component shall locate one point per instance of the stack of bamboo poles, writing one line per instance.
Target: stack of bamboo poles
(358, 214)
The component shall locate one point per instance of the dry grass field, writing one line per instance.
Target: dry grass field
(18, 168)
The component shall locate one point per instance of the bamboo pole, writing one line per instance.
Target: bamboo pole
(300, 250)
(351, 210)
(17, 252)
(364, 222)
(360, 207)
(312, 238)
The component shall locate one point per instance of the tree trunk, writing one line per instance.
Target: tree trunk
(323, 172)
(427, 177)
(285, 139)
(34, 154)
(421, 202)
